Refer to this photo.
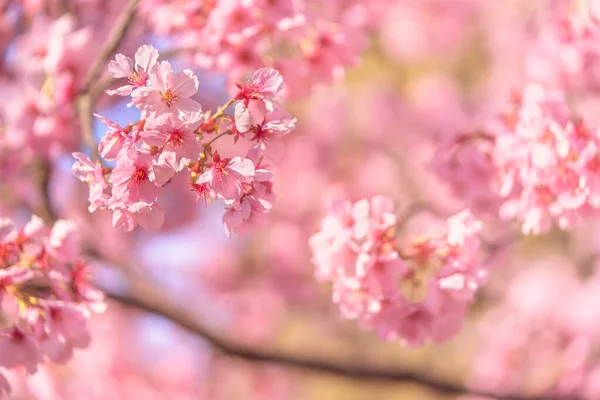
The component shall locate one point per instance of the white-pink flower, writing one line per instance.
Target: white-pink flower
(115, 140)
(131, 178)
(63, 241)
(266, 88)
(91, 173)
(174, 136)
(169, 92)
(138, 76)
(226, 176)
(18, 349)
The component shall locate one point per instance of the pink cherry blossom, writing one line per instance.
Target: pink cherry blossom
(131, 178)
(168, 91)
(38, 280)
(128, 215)
(92, 174)
(267, 88)
(226, 176)
(63, 242)
(115, 140)
(19, 350)
(146, 58)
(175, 136)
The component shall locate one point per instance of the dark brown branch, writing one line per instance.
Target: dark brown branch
(146, 297)
(114, 39)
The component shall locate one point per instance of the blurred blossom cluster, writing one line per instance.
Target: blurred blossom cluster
(198, 196)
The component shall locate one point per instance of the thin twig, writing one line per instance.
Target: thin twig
(46, 210)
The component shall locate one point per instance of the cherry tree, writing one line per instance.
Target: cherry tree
(273, 199)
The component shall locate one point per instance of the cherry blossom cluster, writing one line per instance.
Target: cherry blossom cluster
(47, 65)
(538, 161)
(308, 41)
(415, 292)
(45, 298)
(174, 135)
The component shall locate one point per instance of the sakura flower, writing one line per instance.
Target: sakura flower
(93, 174)
(176, 138)
(131, 178)
(127, 216)
(63, 242)
(245, 217)
(145, 57)
(271, 129)
(19, 350)
(267, 88)
(169, 92)
(203, 192)
(115, 140)
(226, 176)
(65, 325)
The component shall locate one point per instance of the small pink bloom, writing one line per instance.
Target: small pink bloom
(93, 174)
(63, 241)
(267, 87)
(19, 350)
(176, 138)
(149, 216)
(131, 178)
(146, 58)
(226, 176)
(168, 92)
(115, 140)
(65, 326)
(245, 216)
(273, 127)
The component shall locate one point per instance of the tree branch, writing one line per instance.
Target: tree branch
(46, 211)
(86, 112)
(114, 39)
(87, 97)
(145, 296)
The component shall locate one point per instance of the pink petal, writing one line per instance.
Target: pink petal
(184, 83)
(243, 120)
(146, 57)
(121, 67)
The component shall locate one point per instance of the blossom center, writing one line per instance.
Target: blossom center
(169, 97)
(175, 138)
(220, 168)
(140, 175)
(252, 92)
(138, 79)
